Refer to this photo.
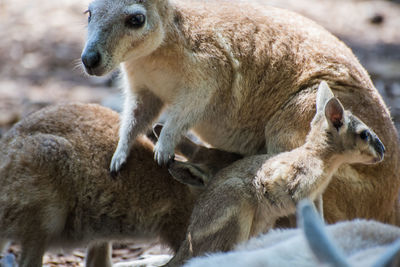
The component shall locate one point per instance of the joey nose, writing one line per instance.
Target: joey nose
(91, 59)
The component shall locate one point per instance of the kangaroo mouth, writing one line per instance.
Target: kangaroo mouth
(95, 63)
(376, 160)
(98, 71)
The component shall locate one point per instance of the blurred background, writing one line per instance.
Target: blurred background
(41, 43)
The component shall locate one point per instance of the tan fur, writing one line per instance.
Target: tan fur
(246, 198)
(244, 77)
(56, 190)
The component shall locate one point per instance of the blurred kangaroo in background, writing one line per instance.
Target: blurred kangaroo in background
(56, 190)
(350, 243)
(244, 77)
(247, 197)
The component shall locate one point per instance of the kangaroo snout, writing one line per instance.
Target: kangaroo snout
(91, 60)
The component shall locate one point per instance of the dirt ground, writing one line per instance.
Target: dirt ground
(41, 42)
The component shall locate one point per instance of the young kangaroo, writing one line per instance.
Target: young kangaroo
(56, 190)
(244, 77)
(247, 197)
(344, 244)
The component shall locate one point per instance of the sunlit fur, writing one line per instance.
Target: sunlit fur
(56, 190)
(247, 198)
(244, 77)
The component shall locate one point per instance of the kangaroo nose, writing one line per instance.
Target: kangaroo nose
(91, 59)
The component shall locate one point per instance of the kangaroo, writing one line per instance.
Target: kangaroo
(376, 245)
(246, 198)
(243, 76)
(344, 244)
(56, 190)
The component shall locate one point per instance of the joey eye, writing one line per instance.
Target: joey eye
(135, 21)
(89, 15)
(364, 135)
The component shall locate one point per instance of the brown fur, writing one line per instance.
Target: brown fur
(246, 198)
(244, 77)
(56, 190)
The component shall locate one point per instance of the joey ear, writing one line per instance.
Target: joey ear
(324, 93)
(189, 173)
(334, 113)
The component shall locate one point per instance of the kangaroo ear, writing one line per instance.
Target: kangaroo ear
(391, 257)
(334, 113)
(324, 93)
(189, 173)
(318, 239)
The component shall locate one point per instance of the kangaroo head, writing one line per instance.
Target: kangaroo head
(121, 30)
(347, 136)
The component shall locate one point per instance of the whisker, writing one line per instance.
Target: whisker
(77, 66)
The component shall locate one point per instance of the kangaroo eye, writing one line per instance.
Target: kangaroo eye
(89, 15)
(135, 21)
(364, 135)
